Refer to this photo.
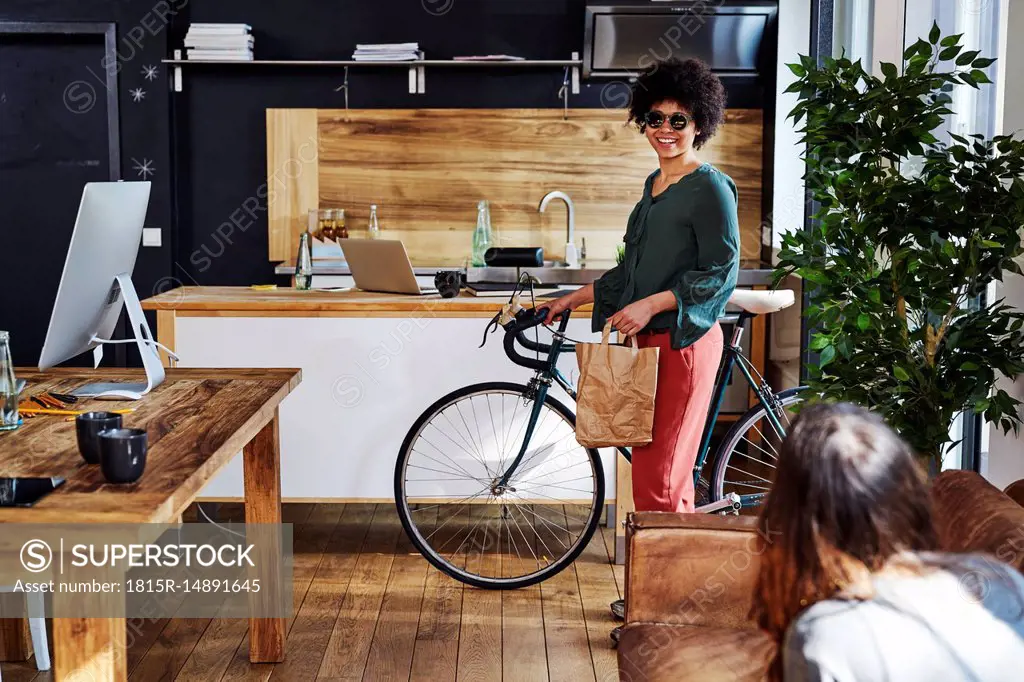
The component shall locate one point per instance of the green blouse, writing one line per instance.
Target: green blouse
(685, 240)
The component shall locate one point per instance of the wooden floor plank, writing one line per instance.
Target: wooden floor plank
(435, 658)
(394, 640)
(19, 671)
(171, 649)
(565, 629)
(314, 622)
(597, 590)
(214, 652)
(524, 655)
(480, 630)
(349, 645)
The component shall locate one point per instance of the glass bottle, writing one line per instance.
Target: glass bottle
(373, 227)
(340, 231)
(482, 233)
(303, 264)
(8, 386)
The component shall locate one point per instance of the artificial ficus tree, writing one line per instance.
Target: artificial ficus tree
(911, 227)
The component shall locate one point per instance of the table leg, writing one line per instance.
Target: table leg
(262, 463)
(89, 649)
(623, 504)
(165, 328)
(14, 639)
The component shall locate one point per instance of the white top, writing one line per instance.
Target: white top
(964, 622)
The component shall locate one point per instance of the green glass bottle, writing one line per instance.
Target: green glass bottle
(482, 238)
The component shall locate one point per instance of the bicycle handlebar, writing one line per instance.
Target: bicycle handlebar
(514, 331)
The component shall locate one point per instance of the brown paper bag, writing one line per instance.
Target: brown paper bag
(615, 394)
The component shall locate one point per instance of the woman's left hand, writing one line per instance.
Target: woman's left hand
(634, 317)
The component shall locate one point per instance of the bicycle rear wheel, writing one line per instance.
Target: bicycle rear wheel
(454, 512)
(746, 459)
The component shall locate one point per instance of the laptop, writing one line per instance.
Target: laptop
(382, 265)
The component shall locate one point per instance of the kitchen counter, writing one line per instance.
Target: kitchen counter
(750, 274)
(248, 302)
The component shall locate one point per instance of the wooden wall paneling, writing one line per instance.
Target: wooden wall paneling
(427, 168)
(292, 177)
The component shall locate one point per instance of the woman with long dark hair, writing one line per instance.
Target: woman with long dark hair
(852, 587)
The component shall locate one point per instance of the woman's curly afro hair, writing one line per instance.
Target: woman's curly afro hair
(692, 84)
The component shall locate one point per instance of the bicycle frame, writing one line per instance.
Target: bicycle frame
(732, 356)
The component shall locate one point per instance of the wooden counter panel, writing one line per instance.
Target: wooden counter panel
(233, 300)
(427, 168)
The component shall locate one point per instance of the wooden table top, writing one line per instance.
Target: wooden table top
(197, 420)
(357, 303)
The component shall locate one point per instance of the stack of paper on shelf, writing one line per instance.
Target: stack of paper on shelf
(219, 42)
(387, 52)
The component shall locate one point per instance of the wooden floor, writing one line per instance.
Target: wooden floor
(369, 607)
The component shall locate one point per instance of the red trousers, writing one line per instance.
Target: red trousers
(663, 469)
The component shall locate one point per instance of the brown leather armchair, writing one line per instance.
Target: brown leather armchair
(689, 581)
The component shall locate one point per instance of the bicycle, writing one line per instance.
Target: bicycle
(472, 478)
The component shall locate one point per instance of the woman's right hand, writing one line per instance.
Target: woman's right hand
(558, 306)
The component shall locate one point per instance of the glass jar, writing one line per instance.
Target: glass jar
(340, 231)
(325, 217)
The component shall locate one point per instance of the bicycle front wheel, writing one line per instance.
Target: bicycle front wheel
(746, 459)
(459, 516)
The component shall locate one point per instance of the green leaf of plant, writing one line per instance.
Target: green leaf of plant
(863, 321)
(951, 40)
(798, 70)
(982, 62)
(875, 296)
(900, 373)
(828, 354)
(819, 342)
(969, 366)
(889, 70)
(933, 35)
(979, 76)
(967, 57)
(950, 52)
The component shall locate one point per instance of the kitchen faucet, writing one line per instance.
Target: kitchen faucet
(571, 256)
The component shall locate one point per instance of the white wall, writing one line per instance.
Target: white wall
(1004, 461)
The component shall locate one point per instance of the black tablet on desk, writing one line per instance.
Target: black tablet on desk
(25, 492)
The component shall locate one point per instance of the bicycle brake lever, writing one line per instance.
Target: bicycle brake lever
(491, 327)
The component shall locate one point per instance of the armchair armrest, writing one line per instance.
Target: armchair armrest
(691, 569)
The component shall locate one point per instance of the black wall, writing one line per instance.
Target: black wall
(207, 144)
(49, 121)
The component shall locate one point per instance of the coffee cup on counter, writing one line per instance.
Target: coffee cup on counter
(88, 427)
(123, 454)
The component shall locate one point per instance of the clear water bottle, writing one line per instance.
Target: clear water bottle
(303, 264)
(373, 228)
(8, 386)
(482, 238)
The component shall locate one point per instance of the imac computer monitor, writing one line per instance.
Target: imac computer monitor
(96, 283)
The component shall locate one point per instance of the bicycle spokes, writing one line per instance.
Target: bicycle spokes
(479, 512)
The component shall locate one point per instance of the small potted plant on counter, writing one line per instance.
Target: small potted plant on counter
(912, 225)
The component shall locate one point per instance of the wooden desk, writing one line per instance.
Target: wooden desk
(196, 420)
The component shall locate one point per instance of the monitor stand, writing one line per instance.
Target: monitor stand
(147, 350)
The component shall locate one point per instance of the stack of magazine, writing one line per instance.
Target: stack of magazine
(387, 52)
(219, 42)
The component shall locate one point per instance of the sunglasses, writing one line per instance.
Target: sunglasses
(655, 119)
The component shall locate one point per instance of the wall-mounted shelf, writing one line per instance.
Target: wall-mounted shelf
(416, 69)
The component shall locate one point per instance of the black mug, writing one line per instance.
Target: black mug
(123, 454)
(88, 427)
